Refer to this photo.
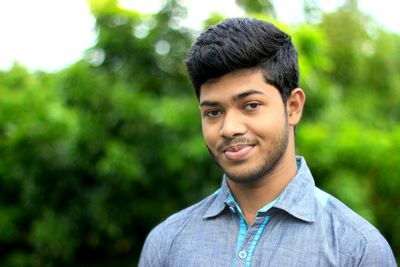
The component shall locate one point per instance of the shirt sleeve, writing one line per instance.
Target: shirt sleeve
(153, 250)
(377, 252)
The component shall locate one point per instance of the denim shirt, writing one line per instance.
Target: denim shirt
(303, 227)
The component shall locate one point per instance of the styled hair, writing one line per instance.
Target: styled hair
(244, 43)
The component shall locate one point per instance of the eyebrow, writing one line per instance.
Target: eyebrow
(210, 103)
(246, 94)
(234, 98)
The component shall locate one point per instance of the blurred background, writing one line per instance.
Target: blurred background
(100, 135)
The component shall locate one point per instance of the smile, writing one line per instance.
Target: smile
(237, 152)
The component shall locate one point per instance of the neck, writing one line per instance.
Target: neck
(252, 197)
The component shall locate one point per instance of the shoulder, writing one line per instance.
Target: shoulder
(178, 220)
(160, 239)
(360, 243)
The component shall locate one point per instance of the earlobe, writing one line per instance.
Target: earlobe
(295, 106)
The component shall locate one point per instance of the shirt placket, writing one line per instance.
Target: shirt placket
(248, 238)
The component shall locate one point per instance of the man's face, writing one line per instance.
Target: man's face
(244, 124)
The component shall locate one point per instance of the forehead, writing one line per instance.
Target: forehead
(235, 84)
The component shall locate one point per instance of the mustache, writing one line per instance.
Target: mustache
(237, 140)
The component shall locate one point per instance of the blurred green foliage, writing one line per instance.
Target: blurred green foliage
(93, 156)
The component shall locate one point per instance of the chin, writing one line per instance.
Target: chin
(244, 179)
(252, 174)
(248, 177)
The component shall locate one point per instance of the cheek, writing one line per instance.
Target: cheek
(268, 127)
(210, 135)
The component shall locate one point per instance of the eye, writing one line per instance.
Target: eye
(213, 113)
(252, 106)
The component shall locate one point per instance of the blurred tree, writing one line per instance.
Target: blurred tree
(258, 7)
(37, 138)
(362, 82)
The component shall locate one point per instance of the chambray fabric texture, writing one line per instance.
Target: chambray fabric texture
(305, 227)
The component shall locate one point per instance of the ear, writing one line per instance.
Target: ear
(294, 106)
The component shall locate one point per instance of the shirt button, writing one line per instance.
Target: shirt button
(242, 254)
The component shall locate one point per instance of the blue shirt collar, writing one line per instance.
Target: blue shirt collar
(297, 199)
(219, 203)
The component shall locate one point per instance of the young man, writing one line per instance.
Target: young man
(268, 211)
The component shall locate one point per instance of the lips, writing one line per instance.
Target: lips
(237, 152)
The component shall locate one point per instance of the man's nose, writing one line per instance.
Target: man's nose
(232, 126)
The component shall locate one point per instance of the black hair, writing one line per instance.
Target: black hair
(244, 43)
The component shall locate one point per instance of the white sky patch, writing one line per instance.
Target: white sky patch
(51, 34)
(386, 12)
(199, 10)
(44, 34)
(145, 6)
(289, 11)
